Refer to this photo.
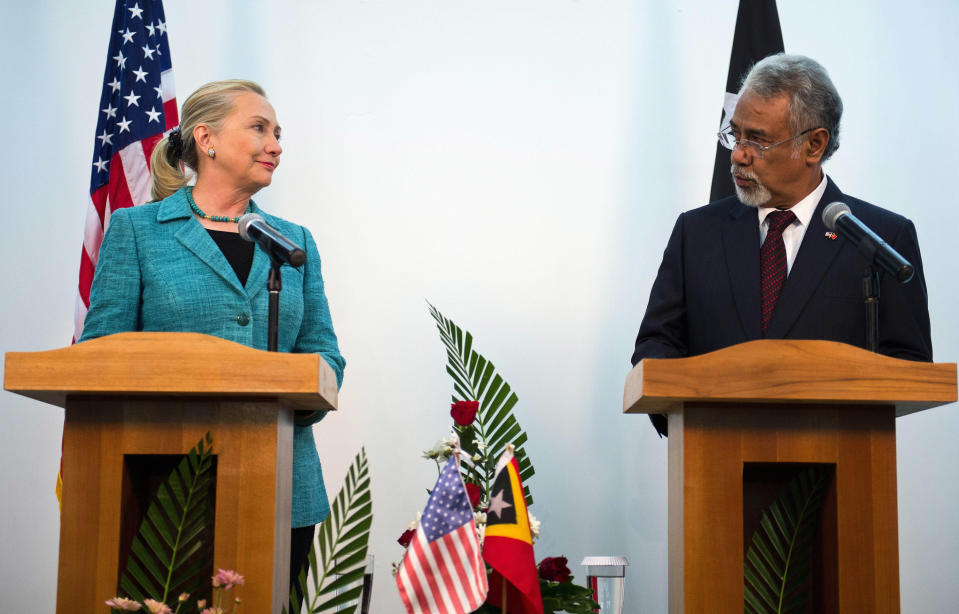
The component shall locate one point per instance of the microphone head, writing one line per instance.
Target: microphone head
(244, 225)
(830, 214)
(297, 257)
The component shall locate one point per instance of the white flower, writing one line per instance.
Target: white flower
(476, 457)
(480, 445)
(480, 532)
(413, 523)
(435, 452)
(533, 524)
(443, 449)
(479, 521)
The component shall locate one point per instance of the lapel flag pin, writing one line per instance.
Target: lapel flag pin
(831, 236)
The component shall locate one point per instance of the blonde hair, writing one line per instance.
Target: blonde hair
(210, 105)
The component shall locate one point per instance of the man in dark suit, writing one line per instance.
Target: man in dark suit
(761, 264)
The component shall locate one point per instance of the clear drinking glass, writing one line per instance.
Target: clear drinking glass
(606, 577)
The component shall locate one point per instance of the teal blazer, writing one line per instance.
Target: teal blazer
(159, 270)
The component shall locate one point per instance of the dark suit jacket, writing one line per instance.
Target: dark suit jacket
(706, 294)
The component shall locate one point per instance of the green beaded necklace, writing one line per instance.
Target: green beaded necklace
(212, 218)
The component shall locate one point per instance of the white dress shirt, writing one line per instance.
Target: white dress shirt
(793, 234)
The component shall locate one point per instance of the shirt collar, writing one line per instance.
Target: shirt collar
(804, 209)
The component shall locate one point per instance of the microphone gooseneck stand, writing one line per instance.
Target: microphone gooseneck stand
(838, 218)
(252, 227)
(274, 284)
(870, 296)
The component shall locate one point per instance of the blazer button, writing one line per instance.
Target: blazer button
(242, 319)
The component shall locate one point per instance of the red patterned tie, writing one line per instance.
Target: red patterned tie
(772, 263)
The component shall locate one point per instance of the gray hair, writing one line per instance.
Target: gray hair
(813, 99)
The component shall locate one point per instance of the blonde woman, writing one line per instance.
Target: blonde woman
(178, 264)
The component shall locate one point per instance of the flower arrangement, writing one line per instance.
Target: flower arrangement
(223, 582)
(483, 427)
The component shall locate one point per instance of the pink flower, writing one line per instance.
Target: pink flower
(201, 604)
(122, 603)
(156, 607)
(183, 597)
(464, 412)
(227, 578)
(212, 611)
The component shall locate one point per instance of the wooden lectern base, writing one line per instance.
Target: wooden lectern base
(860, 442)
(785, 402)
(159, 394)
(252, 532)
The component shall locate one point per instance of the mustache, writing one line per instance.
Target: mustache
(743, 173)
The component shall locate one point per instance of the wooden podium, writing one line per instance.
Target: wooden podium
(770, 402)
(159, 394)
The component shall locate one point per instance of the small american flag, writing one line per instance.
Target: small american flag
(137, 106)
(443, 571)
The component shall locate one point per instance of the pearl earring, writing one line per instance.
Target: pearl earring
(211, 152)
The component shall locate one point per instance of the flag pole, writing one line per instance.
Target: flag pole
(505, 584)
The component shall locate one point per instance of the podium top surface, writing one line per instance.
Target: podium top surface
(789, 371)
(178, 364)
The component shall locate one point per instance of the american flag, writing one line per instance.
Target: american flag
(137, 106)
(443, 572)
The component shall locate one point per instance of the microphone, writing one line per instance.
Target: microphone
(255, 229)
(838, 218)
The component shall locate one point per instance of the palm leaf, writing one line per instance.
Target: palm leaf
(342, 541)
(178, 524)
(475, 379)
(777, 562)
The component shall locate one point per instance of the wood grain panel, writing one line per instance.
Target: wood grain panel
(792, 371)
(675, 527)
(170, 363)
(712, 515)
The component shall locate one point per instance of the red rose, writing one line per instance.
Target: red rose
(473, 493)
(406, 538)
(464, 412)
(554, 569)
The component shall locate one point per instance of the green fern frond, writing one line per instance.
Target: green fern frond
(342, 542)
(177, 525)
(777, 562)
(475, 379)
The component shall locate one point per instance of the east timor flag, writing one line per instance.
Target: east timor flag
(508, 545)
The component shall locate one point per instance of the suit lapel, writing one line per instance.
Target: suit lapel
(195, 238)
(256, 280)
(815, 255)
(741, 243)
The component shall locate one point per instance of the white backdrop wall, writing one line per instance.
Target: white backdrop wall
(518, 164)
